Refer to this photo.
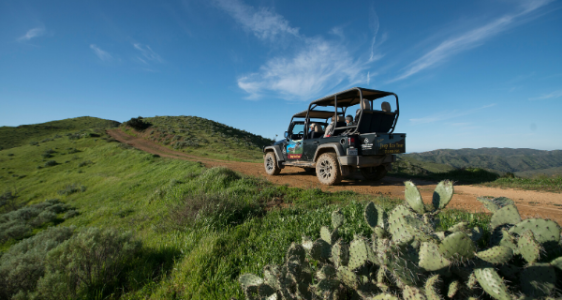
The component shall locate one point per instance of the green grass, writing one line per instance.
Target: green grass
(203, 137)
(39, 133)
(539, 183)
(200, 228)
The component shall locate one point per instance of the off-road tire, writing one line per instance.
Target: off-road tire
(270, 164)
(328, 169)
(374, 173)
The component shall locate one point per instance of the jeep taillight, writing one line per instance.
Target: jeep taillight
(351, 141)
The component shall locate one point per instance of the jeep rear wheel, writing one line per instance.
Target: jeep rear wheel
(328, 169)
(374, 173)
(270, 164)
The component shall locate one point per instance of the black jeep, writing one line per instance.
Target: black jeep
(336, 149)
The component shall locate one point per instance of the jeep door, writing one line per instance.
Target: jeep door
(311, 144)
(293, 146)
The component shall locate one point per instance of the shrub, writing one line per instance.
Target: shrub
(138, 123)
(50, 163)
(85, 163)
(15, 229)
(70, 214)
(23, 264)
(33, 143)
(48, 153)
(44, 217)
(92, 258)
(71, 189)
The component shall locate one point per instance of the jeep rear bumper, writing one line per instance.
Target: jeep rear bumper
(366, 161)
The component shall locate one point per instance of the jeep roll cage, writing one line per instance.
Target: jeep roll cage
(344, 100)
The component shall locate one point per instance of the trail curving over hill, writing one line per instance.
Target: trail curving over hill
(530, 203)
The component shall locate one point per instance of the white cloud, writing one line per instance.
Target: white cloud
(314, 65)
(263, 23)
(147, 54)
(468, 40)
(319, 65)
(553, 95)
(103, 55)
(32, 33)
(448, 115)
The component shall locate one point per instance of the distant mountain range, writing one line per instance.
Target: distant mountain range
(523, 162)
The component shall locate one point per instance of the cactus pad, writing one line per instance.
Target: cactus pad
(306, 243)
(496, 255)
(360, 253)
(271, 275)
(337, 218)
(321, 250)
(384, 296)
(371, 215)
(430, 257)
(460, 226)
(457, 244)
(537, 281)
(431, 288)
(325, 288)
(412, 293)
(296, 250)
(443, 194)
(348, 277)
(378, 232)
(340, 254)
(453, 289)
(413, 197)
(248, 279)
(557, 263)
(476, 233)
(327, 272)
(505, 215)
(492, 283)
(543, 230)
(495, 204)
(401, 233)
(528, 247)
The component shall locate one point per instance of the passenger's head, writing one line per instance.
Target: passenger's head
(365, 104)
(385, 106)
(349, 119)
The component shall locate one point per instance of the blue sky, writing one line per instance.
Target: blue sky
(469, 74)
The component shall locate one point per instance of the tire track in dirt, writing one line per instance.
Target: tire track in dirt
(530, 203)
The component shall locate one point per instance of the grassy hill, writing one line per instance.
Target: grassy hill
(502, 160)
(35, 133)
(171, 229)
(200, 136)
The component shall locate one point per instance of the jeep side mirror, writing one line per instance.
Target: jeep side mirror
(286, 134)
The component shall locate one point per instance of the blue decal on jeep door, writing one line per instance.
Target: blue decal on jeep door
(294, 149)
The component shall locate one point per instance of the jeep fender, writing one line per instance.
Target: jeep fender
(338, 149)
(277, 150)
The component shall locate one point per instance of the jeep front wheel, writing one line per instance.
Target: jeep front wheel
(328, 169)
(270, 164)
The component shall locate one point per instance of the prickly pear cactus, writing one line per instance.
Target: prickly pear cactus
(407, 258)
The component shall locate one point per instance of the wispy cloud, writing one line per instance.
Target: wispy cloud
(315, 64)
(263, 23)
(103, 55)
(318, 65)
(147, 54)
(553, 95)
(448, 115)
(468, 40)
(32, 33)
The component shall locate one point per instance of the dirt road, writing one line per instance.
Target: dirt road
(530, 203)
